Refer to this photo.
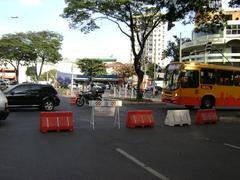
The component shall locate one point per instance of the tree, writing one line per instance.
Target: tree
(172, 50)
(150, 70)
(46, 45)
(48, 76)
(126, 70)
(31, 71)
(16, 50)
(135, 19)
(91, 67)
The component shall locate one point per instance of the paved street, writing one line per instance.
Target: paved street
(162, 152)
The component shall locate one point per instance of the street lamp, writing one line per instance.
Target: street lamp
(71, 78)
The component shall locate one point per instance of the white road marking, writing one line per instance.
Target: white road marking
(144, 166)
(232, 146)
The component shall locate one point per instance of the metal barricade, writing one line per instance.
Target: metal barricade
(105, 108)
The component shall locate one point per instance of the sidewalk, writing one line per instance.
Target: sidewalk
(131, 100)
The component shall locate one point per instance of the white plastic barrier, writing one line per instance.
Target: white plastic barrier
(105, 108)
(177, 117)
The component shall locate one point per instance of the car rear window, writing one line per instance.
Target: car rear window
(49, 89)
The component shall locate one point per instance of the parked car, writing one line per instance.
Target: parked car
(4, 112)
(32, 95)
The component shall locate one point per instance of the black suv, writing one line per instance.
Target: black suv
(32, 95)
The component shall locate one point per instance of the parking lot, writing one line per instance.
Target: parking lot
(163, 152)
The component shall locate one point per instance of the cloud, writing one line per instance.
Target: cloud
(30, 2)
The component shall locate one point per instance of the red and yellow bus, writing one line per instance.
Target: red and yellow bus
(205, 85)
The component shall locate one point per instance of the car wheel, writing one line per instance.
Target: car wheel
(48, 105)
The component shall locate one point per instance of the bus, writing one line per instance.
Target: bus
(204, 85)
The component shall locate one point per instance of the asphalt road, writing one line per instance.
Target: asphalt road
(163, 152)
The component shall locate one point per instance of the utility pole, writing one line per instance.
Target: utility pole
(154, 68)
(71, 78)
(180, 48)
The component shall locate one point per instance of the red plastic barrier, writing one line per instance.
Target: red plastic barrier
(140, 118)
(204, 116)
(56, 121)
(72, 101)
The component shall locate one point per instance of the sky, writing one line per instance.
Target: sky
(38, 15)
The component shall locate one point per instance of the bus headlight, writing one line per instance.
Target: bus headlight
(176, 94)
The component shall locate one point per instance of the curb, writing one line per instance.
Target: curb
(227, 119)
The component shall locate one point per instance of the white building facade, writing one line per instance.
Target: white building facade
(154, 47)
(219, 47)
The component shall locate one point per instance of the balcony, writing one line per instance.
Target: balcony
(215, 57)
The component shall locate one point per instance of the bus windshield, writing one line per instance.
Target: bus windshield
(172, 80)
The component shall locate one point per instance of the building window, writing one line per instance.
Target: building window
(235, 49)
(233, 29)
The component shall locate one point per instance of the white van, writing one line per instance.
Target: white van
(4, 112)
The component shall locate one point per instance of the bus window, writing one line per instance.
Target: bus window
(189, 79)
(224, 78)
(236, 79)
(207, 76)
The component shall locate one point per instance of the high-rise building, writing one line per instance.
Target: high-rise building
(155, 44)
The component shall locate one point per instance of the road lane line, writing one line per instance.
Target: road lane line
(144, 166)
(232, 146)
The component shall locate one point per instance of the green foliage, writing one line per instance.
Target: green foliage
(16, 50)
(31, 71)
(172, 50)
(126, 70)
(91, 67)
(150, 70)
(30, 49)
(46, 45)
(48, 76)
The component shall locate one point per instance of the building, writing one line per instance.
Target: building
(154, 47)
(220, 47)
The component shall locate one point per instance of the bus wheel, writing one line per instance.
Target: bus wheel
(207, 103)
(189, 107)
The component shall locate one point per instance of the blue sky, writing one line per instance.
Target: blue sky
(38, 15)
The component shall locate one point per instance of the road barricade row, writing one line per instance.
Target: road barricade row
(63, 120)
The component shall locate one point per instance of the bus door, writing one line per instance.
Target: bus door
(189, 92)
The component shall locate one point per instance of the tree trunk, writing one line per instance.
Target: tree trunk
(140, 74)
(40, 70)
(17, 75)
(17, 71)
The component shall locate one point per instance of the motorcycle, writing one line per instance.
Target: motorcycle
(85, 97)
